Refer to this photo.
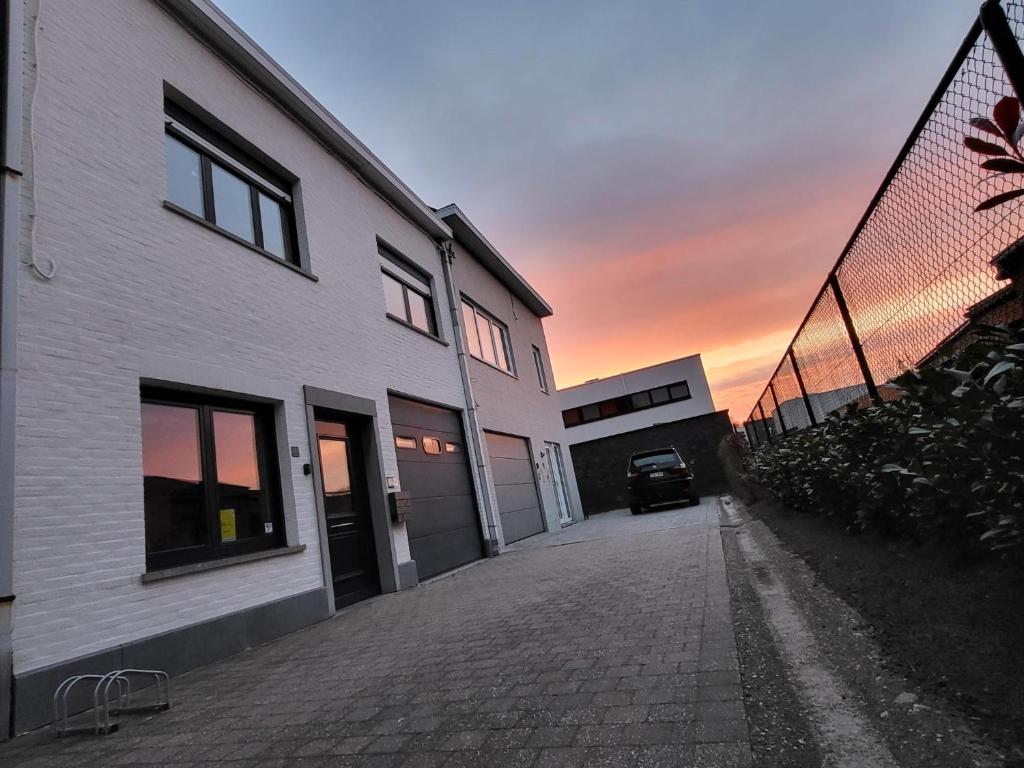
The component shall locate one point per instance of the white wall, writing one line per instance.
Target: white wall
(689, 369)
(143, 292)
(516, 405)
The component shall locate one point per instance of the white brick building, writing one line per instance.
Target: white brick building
(207, 281)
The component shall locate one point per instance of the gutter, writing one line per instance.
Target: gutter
(492, 545)
(10, 245)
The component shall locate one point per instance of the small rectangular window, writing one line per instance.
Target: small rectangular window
(408, 443)
(407, 294)
(184, 176)
(452, 448)
(608, 408)
(591, 412)
(210, 178)
(571, 417)
(232, 204)
(487, 338)
(679, 391)
(542, 376)
(432, 446)
(641, 400)
(659, 395)
(207, 468)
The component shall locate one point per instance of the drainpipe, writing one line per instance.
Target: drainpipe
(10, 215)
(474, 438)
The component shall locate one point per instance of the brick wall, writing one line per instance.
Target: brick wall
(143, 292)
(601, 464)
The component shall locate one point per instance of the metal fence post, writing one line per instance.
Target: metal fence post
(778, 411)
(851, 331)
(997, 27)
(764, 422)
(803, 389)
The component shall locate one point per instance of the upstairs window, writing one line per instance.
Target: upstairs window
(542, 376)
(208, 478)
(407, 295)
(487, 338)
(213, 181)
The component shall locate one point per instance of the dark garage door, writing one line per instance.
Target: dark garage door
(443, 526)
(512, 469)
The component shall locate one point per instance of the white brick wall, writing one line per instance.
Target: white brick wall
(143, 292)
(516, 405)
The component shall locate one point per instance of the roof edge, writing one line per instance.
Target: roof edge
(468, 235)
(634, 370)
(213, 27)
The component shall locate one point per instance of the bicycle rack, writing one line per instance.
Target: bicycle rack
(118, 683)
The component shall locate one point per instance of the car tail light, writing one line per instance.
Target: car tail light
(632, 475)
(684, 471)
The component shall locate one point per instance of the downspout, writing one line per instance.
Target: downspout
(10, 226)
(491, 545)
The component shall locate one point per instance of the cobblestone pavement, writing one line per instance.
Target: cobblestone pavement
(609, 643)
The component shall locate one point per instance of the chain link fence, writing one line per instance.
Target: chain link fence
(916, 274)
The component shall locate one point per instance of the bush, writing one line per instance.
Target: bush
(944, 462)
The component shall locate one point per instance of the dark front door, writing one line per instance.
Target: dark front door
(349, 528)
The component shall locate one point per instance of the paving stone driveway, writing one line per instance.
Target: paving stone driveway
(609, 643)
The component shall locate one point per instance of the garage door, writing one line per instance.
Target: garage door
(512, 469)
(443, 526)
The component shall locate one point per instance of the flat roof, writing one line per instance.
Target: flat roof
(469, 236)
(588, 382)
(213, 27)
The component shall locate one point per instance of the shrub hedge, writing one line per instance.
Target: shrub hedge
(944, 462)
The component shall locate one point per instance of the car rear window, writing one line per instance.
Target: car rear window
(666, 459)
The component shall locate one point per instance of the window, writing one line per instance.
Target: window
(406, 442)
(615, 406)
(208, 478)
(452, 448)
(641, 400)
(542, 376)
(218, 183)
(679, 391)
(487, 338)
(432, 446)
(407, 294)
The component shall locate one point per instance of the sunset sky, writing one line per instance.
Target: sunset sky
(673, 177)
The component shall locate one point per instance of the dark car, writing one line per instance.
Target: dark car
(658, 477)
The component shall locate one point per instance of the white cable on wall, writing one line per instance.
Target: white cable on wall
(47, 273)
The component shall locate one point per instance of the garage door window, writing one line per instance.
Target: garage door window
(206, 476)
(408, 443)
(432, 446)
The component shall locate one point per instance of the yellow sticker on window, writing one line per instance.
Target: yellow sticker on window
(228, 532)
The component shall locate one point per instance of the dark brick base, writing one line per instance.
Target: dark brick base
(601, 464)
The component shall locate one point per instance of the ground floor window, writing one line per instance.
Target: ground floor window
(210, 483)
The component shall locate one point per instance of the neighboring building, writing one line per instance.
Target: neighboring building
(609, 419)
(235, 334)
(511, 382)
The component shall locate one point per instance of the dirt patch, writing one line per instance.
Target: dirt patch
(955, 630)
(780, 736)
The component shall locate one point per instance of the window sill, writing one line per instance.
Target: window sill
(213, 565)
(494, 367)
(418, 330)
(236, 239)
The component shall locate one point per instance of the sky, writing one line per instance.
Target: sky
(673, 177)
